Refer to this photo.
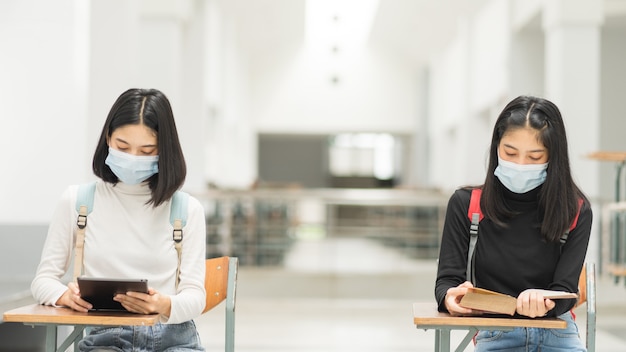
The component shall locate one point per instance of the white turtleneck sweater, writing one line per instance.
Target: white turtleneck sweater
(125, 238)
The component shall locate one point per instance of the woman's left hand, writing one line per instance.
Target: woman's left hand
(531, 303)
(145, 303)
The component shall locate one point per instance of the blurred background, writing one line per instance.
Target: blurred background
(323, 137)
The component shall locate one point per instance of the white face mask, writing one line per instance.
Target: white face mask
(520, 178)
(132, 169)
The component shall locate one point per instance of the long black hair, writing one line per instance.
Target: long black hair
(559, 195)
(151, 108)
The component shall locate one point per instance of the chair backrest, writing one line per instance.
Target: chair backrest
(587, 288)
(221, 284)
(215, 282)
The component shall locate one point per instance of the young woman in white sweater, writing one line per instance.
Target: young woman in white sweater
(140, 165)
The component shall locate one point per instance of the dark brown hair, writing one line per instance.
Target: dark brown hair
(151, 108)
(559, 195)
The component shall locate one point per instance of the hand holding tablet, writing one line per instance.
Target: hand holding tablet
(100, 292)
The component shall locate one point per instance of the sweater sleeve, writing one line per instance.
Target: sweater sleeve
(452, 261)
(188, 303)
(571, 261)
(47, 286)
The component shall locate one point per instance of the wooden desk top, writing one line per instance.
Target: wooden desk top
(616, 270)
(40, 314)
(426, 314)
(608, 156)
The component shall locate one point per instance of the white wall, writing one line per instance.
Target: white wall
(612, 132)
(42, 108)
(63, 64)
(526, 57)
(501, 54)
(230, 145)
(293, 93)
(489, 50)
(527, 62)
(112, 62)
(467, 88)
(448, 105)
(489, 76)
(172, 58)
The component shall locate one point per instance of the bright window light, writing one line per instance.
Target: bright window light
(384, 157)
(363, 154)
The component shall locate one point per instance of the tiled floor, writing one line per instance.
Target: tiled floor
(354, 295)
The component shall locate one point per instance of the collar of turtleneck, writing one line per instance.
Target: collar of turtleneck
(142, 188)
(521, 200)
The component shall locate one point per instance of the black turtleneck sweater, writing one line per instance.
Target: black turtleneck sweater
(512, 259)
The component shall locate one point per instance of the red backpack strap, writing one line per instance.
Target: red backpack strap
(475, 215)
(474, 205)
(564, 236)
(580, 205)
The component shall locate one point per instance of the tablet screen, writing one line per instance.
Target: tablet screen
(100, 292)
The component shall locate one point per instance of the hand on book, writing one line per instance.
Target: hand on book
(533, 304)
(453, 300)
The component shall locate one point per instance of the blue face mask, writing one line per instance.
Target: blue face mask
(520, 178)
(132, 169)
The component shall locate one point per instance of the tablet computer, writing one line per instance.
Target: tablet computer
(100, 292)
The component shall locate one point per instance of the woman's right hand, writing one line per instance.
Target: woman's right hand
(71, 299)
(453, 298)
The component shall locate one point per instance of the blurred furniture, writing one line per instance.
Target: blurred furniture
(260, 226)
(426, 316)
(409, 221)
(256, 227)
(613, 239)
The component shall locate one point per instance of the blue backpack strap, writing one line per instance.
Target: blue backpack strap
(178, 219)
(179, 208)
(84, 206)
(475, 215)
(84, 198)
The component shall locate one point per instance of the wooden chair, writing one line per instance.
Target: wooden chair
(221, 285)
(426, 316)
(587, 288)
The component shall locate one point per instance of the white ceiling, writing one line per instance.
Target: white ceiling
(413, 28)
(418, 28)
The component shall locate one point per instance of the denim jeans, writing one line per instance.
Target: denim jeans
(157, 338)
(532, 339)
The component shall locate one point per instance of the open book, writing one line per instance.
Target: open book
(494, 302)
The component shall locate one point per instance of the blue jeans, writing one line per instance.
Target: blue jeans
(532, 339)
(157, 338)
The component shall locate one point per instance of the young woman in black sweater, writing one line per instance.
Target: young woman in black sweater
(529, 200)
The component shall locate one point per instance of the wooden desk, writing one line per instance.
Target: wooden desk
(608, 156)
(426, 316)
(52, 317)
